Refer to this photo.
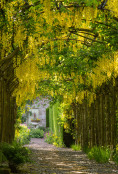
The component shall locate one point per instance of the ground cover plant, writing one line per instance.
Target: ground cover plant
(76, 147)
(37, 133)
(100, 154)
(22, 134)
(115, 158)
(115, 155)
(51, 138)
(15, 154)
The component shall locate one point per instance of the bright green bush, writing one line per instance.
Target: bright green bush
(49, 138)
(22, 135)
(100, 154)
(76, 147)
(36, 133)
(58, 141)
(53, 139)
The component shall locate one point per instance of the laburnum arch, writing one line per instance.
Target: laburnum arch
(66, 49)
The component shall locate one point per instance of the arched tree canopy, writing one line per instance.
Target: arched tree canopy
(62, 48)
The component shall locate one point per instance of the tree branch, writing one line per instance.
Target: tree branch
(102, 5)
(10, 56)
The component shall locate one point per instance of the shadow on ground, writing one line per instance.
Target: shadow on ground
(47, 159)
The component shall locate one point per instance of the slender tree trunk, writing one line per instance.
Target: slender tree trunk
(0, 109)
(107, 105)
(97, 121)
(91, 126)
(80, 124)
(113, 119)
(86, 123)
(100, 120)
(103, 119)
(76, 122)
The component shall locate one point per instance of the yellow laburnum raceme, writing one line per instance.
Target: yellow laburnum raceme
(113, 7)
(91, 98)
(17, 35)
(81, 79)
(28, 75)
(80, 96)
(115, 64)
(76, 80)
(105, 68)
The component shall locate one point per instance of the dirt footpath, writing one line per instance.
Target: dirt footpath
(48, 159)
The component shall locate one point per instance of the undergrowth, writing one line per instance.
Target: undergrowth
(100, 154)
(22, 134)
(51, 138)
(76, 147)
(37, 133)
(115, 156)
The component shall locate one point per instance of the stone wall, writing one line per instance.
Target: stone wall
(38, 108)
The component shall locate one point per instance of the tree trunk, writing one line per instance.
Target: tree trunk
(113, 118)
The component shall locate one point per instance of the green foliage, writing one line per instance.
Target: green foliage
(58, 141)
(49, 138)
(100, 154)
(18, 117)
(19, 113)
(115, 155)
(47, 117)
(53, 139)
(86, 149)
(54, 122)
(2, 157)
(22, 135)
(36, 133)
(103, 36)
(76, 147)
(43, 128)
(15, 154)
(115, 158)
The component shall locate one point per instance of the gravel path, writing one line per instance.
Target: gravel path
(48, 159)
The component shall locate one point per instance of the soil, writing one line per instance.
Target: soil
(48, 159)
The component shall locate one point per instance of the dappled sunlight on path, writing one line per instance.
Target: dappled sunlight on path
(48, 159)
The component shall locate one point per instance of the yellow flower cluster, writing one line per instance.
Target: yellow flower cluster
(32, 70)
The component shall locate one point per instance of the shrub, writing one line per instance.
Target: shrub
(115, 155)
(53, 139)
(57, 141)
(76, 147)
(42, 128)
(86, 149)
(36, 133)
(49, 138)
(15, 153)
(22, 135)
(2, 157)
(100, 154)
(115, 158)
